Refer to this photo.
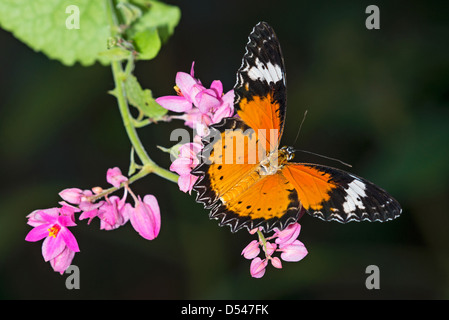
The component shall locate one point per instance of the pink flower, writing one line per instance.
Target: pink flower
(146, 218)
(201, 106)
(72, 195)
(59, 245)
(286, 243)
(252, 250)
(52, 225)
(184, 164)
(40, 216)
(82, 199)
(269, 248)
(63, 260)
(187, 87)
(288, 235)
(276, 262)
(225, 109)
(113, 213)
(114, 176)
(294, 252)
(257, 268)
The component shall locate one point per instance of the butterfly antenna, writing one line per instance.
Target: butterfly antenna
(320, 155)
(300, 126)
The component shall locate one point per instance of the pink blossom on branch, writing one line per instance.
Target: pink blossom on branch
(200, 108)
(257, 268)
(291, 250)
(60, 244)
(114, 176)
(183, 165)
(146, 217)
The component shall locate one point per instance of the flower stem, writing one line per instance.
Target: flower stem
(262, 239)
(119, 75)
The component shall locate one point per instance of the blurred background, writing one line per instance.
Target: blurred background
(378, 99)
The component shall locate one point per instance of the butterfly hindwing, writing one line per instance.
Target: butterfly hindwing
(220, 168)
(231, 184)
(270, 202)
(335, 195)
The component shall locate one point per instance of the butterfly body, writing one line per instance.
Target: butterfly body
(248, 181)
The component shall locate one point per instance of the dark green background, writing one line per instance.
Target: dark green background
(378, 99)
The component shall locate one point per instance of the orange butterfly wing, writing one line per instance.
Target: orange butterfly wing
(236, 189)
(260, 90)
(270, 202)
(246, 188)
(222, 168)
(233, 186)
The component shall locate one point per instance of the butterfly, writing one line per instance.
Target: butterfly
(247, 181)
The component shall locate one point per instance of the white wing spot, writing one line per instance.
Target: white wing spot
(355, 193)
(268, 72)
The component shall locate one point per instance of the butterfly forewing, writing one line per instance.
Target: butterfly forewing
(260, 90)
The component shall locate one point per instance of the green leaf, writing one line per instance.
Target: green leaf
(143, 99)
(45, 26)
(78, 30)
(158, 15)
(147, 43)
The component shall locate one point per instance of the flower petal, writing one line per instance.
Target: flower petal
(190, 150)
(38, 233)
(276, 262)
(192, 72)
(174, 103)
(228, 98)
(217, 86)
(114, 176)
(288, 235)
(43, 216)
(151, 201)
(72, 195)
(52, 246)
(143, 221)
(257, 268)
(186, 182)
(207, 100)
(294, 251)
(90, 214)
(224, 111)
(181, 166)
(270, 247)
(62, 261)
(252, 250)
(69, 239)
(188, 85)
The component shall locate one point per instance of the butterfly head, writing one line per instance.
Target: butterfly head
(287, 153)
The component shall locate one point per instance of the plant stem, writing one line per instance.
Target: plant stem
(262, 238)
(149, 166)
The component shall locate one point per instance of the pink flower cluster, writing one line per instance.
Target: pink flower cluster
(200, 107)
(286, 243)
(183, 165)
(59, 246)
